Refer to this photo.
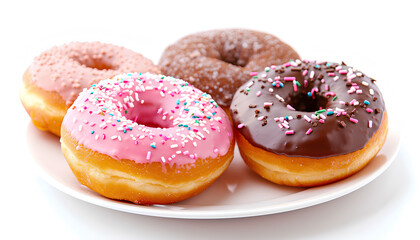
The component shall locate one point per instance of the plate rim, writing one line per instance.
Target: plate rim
(172, 212)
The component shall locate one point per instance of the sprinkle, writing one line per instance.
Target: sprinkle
(335, 97)
(267, 104)
(371, 92)
(353, 120)
(163, 159)
(253, 74)
(289, 78)
(359, 91)
(258, 93)
(290, 107)
(290, 132)
(174, 145)
(369, 110)
(309, 131)
(148, 155)
(320, 111)
(307, 118)
(241, 125)
(279, 98)
(153, 145)
(366, 102)
(370, 124)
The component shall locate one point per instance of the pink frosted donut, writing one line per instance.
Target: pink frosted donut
(146, 138)
(55, 78)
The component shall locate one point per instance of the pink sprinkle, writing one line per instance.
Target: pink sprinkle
(273, 67)
(309, 131)
(253, 74)
(261, 118)
(289, 78)
(258, 93)
(241, 125)
(331, 74)
(326, 86)
(287, 64)
(216, 150)
(329, 93)
(359, 91)
(305, 83)
(353, 120)
(305, 72)
(266, 104)
(294, 86)
(290, 107)
(136, 142)
(103, 136)
(342, 72)
(290, 132)
(321, 120)
(159, 110)
(280, 126)
(370, 124)
(369, 110)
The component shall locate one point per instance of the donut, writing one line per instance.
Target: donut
(55, 78)
(219, 61)
(147, 139)
(308, 123)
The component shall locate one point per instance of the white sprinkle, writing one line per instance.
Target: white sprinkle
(80, 128)
(114, 137)
(174, 145)
(163, 159)
(365, 83)
(195, 144)
(371, 91)
(279, 98)
(370, 124)
(148, 155)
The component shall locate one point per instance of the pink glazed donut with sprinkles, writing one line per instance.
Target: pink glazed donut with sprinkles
(147, 139)
(55, 78)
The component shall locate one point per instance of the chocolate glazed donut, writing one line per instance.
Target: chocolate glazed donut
(311, 113)
(219, 61)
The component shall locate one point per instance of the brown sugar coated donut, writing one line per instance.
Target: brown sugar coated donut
(307, 123)
(56, 77)
(219, 61)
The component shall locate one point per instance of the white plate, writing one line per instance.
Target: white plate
(237, 193)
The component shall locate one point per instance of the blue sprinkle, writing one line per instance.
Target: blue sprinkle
(93, 131)
(111, 114)
(118, 120)
(366, 102)
(208, 117)
(125, 131)
(328, 64)
(281, 85)
(309, 94)
(177, 102)
(330, 113)
(287, 118)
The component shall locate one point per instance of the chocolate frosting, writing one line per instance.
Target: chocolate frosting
(308, 109)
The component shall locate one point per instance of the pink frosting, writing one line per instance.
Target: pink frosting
(69, 68)
(149, 118)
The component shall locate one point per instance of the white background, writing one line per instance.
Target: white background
(380, 38)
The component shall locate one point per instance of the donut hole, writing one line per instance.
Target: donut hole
(95, 62)
(234, 59)
(150, 115)
(304, 103)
